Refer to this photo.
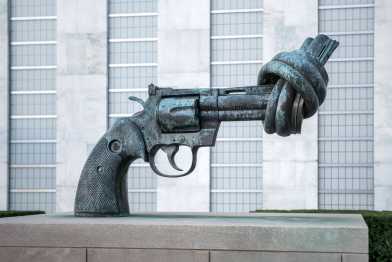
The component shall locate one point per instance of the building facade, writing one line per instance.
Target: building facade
(68, 67)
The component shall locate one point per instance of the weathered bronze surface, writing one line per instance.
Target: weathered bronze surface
(289, 88)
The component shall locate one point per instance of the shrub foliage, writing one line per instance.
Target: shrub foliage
(19, 213)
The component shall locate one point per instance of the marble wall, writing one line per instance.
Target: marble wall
(183, 61)
(81, 90)
(383, 106)
(290, 164)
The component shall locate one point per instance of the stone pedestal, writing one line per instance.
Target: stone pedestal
(185, 237)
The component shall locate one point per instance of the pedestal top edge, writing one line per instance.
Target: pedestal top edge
(199, 219)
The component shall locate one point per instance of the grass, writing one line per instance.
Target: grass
(19, 213)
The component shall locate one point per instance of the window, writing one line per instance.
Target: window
(346, 117)
(33, 105)
(236, 53)
(132, 67)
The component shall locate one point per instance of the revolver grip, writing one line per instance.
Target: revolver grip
(103, 187)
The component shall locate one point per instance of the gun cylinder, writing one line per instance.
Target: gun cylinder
(179, 115)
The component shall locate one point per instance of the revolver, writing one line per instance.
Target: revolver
(289, 88)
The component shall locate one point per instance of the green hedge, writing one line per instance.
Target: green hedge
(19, 213)
(380, 230)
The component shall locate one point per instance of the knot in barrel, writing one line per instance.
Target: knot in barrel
(300, 83)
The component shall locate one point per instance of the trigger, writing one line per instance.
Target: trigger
(171, 151)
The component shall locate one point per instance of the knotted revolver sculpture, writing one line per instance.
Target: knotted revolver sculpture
(289, 88)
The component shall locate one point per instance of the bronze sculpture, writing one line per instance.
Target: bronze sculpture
(289, 88)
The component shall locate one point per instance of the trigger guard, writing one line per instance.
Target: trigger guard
(159, 173)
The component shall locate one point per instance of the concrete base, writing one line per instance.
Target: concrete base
(185, 237)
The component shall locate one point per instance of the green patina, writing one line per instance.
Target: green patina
(289, 88)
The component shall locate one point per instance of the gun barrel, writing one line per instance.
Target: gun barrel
(233, 115)
(242, 102)
(236, 104)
